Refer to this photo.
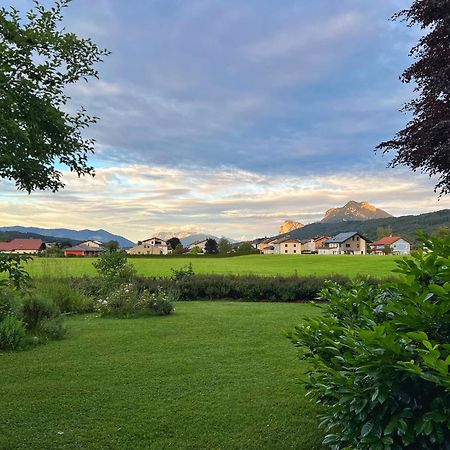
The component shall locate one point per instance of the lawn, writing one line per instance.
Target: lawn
(257, 264)
(211, 376)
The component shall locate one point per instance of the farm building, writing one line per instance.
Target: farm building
(83, 251)
(23, 246)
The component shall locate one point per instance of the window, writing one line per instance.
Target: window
(295, 251)
(295, 245)
(357, 238)
(285, 245)
(347, 245)
(285, 251)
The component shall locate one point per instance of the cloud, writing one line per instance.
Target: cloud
(139, 200)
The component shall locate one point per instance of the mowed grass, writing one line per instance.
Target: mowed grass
(214, 375)
(379, 266)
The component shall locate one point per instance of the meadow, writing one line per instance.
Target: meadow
(213, 375)
(379, 266)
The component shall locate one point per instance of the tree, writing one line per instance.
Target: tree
(246, 248)
(424, 144)
(384, 231)
(112, 246)
(224, 246)
(196, 250)
(38, 59)
(211, 246)
(173, 242)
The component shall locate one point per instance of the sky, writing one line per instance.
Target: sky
(229, 117)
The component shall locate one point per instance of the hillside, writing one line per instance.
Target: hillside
(66, 234)
(404, 226)
(9, 235)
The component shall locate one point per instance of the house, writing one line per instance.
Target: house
(23, 246)
(350, 243)
(283, 246)
(391, 244)
(200, 244)
(83, 251)
(93, 244)
(152, 246)
(312, 245)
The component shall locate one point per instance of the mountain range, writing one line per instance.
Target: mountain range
(74, 235)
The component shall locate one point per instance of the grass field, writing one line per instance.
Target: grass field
(211, 376)
(256, 264)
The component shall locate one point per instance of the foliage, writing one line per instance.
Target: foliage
(379, 359)
(8, 303)
(384, 231)
(160, 303)
(424, 143)
(174, 242)
(241, 287)
(121, 301)
(35, 309)
(183, 273)
(38, 59)
(12, 264)
(126, 301)
(68, 297)
(112, 246)
(12, 333)
(224, 246)
(52, 328)
(196, 250)
(211, 246)
(114, 268)
(246, 248)
(52, 252)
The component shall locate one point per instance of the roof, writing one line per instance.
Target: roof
(342, 237)
(387, 240)
(22, 244)
(154, 237)
(85, 248)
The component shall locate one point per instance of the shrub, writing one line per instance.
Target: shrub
(122, 302)
(68, 297)
(52, 328)
(379, 358)
(35, 309)
(114, 267)
(8, 303)
(12, 333)
(160, 303)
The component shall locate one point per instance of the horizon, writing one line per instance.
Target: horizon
(230, 118)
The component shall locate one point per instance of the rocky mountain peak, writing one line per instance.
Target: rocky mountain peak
(290, 225)
(354, 211)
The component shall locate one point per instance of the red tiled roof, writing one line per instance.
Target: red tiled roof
(21, 244)
(387, 240)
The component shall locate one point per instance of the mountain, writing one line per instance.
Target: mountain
(75, 235)
(6, 236)
(290, 225)
(354, 211)
(405, 226)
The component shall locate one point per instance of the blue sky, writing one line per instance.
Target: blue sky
(231, 116)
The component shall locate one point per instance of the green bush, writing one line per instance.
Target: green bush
(12, 333)
(35, 309)
(68, 297)
(121, 302)
(160, 303)
(52, 328)
(8, 303)
(379, 358)
(114, 268)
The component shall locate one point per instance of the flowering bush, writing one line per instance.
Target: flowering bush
(160, 302)
(126, 301)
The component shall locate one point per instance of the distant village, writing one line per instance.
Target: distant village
(348, 243)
